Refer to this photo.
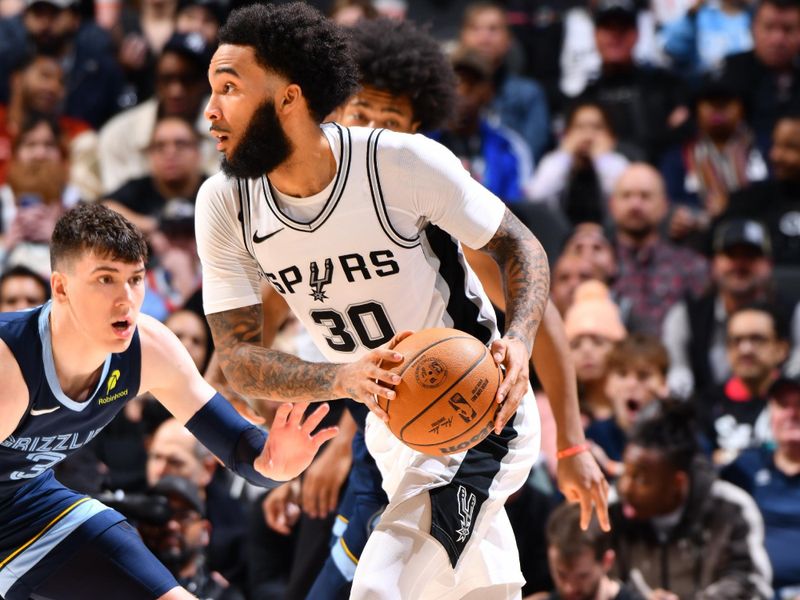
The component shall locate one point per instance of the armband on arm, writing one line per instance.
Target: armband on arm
(230, 438)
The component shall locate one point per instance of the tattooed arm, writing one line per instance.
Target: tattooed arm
(256, 372)
(526, 279)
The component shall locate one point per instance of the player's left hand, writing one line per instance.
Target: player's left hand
(291, 447)
(581, 480)
(513, 355)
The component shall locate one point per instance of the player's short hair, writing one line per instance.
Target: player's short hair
(564, 533)
(95, 228)
(639, 349)
(402, 59)
(667, 426)
(299, 43)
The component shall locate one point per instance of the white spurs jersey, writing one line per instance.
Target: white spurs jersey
(374, 253)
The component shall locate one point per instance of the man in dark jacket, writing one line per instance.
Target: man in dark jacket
(678, 531)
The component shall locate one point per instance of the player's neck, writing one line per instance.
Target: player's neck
(310, 167)
(77, 362)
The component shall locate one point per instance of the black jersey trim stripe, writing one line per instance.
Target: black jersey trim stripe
(244, 216)
(342, 175)
(377, 195)
(466, 313)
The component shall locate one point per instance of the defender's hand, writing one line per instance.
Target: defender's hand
(514, 356)
(580, 480)
(291, 447)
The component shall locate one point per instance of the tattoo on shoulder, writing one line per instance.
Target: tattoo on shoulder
(258, 372)
(526, 275)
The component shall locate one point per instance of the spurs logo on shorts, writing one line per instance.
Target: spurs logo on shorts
(466, 506)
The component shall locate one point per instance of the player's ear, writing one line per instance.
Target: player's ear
(414, 127)
(292, 95)
(58, 286)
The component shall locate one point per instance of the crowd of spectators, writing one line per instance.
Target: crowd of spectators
(653, 146)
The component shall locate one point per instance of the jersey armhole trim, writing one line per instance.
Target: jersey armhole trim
(377, 195)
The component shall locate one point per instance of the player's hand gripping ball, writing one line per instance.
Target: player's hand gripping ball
(445, 401)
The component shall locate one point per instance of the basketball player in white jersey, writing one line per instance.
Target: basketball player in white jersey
(360, 231)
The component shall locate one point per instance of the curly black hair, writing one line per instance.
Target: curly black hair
(668, 426)
(299, 43)
(397, 57)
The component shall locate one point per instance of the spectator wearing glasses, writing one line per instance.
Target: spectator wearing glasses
(181, 90)
(733, 415)
(175, 172)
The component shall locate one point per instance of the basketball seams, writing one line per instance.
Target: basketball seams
(436, 343)
(472, 367)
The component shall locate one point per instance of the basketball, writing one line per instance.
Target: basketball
(445, 401)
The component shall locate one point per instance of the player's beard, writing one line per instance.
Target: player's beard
(263, 147)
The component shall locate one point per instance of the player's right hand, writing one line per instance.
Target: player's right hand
(324, 478)
(366, 379)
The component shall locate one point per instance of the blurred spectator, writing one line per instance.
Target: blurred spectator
(350, 12)
(593, 325)
(538, 28)
(519, 102)
(776, 201)
(143, 32)
(677, 530)
(193, 332)
(201, 16)
(493, 154)
(568, 273)
(93, 78)
(645, 104)
(580, 560)
(694, 329)
(175, 451)
(175, 172)
(772, 476)
(699, 41)
(181, 89)
(579, 57)
(721, 158)
(636, 375)
(653, 273)
(21, 288)
(733, 415)
(181, 543)
(579, 176)
(37, 86)
(767, 77)
(173, 275)
(589, 241)
(36, 195)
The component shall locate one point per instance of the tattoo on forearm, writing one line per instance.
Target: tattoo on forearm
(526, 277)
(258, 372)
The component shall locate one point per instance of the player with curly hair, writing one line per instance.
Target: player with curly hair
(407, 83)
(360, 231)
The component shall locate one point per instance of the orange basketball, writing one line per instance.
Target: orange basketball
(445, 401)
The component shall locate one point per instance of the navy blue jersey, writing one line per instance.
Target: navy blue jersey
(54, 425)
(41, 519)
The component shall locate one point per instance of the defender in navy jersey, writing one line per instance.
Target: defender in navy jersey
(360, 231)
(67, 368)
